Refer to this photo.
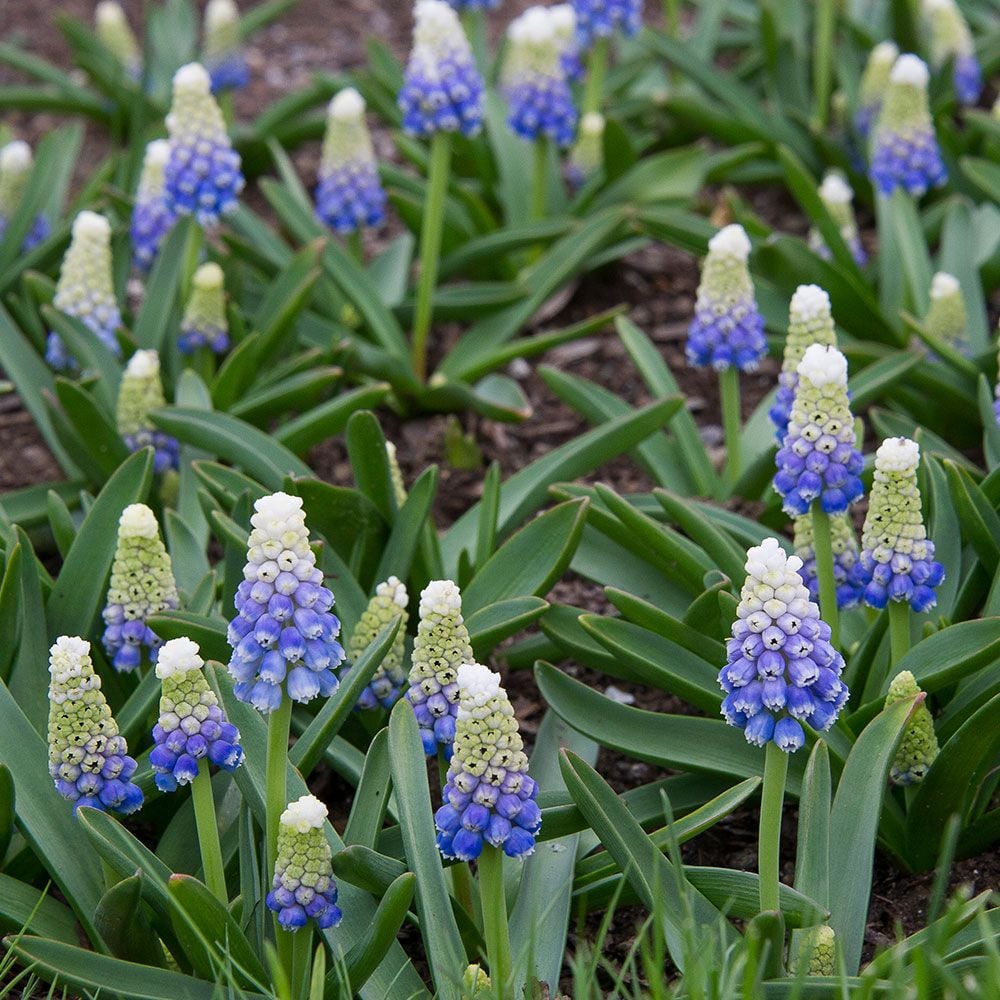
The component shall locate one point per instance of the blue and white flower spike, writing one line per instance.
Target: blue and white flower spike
(142, 585)
(818, 459)
(85, 289)
(462, 5)
(349, 196)
(874, 83)
(151, 216)
(204, 323)
(950, 38)
(844, 545)
(16, 163)
(897, 558)
(141, 392)
(303, 888)
(442, 89)
(203, 175)
(586, 158)
(947, 318)
(781, 669)
(597, 19)
(223, 50)
(284, 636)
(116, 35)
(88, 758)
(389, 603)
(905, 151)
(489, 797)
(837, 198)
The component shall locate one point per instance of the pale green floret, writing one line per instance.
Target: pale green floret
(304, 856)
(395, 474)
(15, 172)
(154, 168)
(947, 317)
(587, 155)
(837, 198)
(918, 748)
(875, 78)
(85, 282)
(388, 604)
(905, 110)
(222, 28)
(947, 31)
(442, 642)
(535, 46)
(116, 35)
(842, 539)
(142, 578)
(206, 305)
(476, 984)
(817, 952)
(194, 113)
(810, 321)
(140, 392)
(725, 277)
(347, 140)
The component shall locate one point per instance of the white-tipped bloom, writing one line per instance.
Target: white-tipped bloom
(178, 656)
(205, 323)
(117, 37)
(586, 158)
(139, 394)
(389, 603)
(305, 813)
(823, 365)
(874, 81)
(947, 317)
(223, 48)
(838, 198)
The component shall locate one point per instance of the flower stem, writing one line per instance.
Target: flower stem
(732, 420)
(769, 841)
(356, 247)
(597, 70)
(474, 23)
(899, 629)
(278, 727)
(302, 942)
(495, 929)
(823, 547)
(208, 833)
(540, 179)
(430, 247)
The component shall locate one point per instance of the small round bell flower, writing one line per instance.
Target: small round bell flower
(223, 49)
(897, 559)
(141, 392)
(442, 89)
(88, 758)
(586, 158)
(602, 18)
(203, 175)
(947, 318)
(303, 887)
(116, 35)
(727, 328)
(874, 83)
(781, 669)
(817, 952)
(905, 151)
(151, 216)
(440, 648)
(845, 558)
(349, 195)
(837, 198)
(918, 748)
(204, 323)
(16, 163)
(396, 474)
(284, 636)
(85, 289)
(818, 459)
(489, 798)
(142, 585)
(950, 38)
(388, 604)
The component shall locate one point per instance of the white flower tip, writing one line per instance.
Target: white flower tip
(304, 814)
(395, 589)
(442, 596)
(835, 189)
(732, 241)
(178, 656)
(109, 13)
(278, 506)
(143, 364)
(219, 13)
(944, 285)
(436, 17)
(885, 52)
(564, 20)
(477, 684)
(932, 6)
(157, 153)
(91, 226)
(15, 156)
(208, 277)
(535, 26)
(823, 365)
(137, 521)
(769, 557)
(910, 70)
(897, 455)
(592, 123)
(347, 106)
(809, 301)
(193, 78)
(67, 649)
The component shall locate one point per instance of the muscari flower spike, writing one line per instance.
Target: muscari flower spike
(395, 474)
(442, 89)
(142, 585)
(586, 158)
(203, 175)
(897, 559)
(476, 983)
(85, 289)
(151, 216)
(440, 648)
(141, 392)
(947, 317)
(88, 758)
(727, 328)
(223, 50)
(204, 323)
(284, 636)
(905, 151)
(873, 85)
(810, 321)
(461, 5)
(489, 798)
(781, 669)
(845, 557)
(349, 195)
(602, 18)
(116, 35)
(817, 952)
(818, 459)
(918, 748)
(191, 726)
(950, 38)
(389, 603)
(16, 163)
(303, 886)
(837, 198)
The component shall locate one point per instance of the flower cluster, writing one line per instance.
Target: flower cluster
(117, 37)
(947, 317)
(442, 89)
(602, 18)
(818, 459)
(350, 194)
(844, 543)
(489, 798)
(388, 604)
(781, 669)
(88, 758)
(223, 50)
(141, 392)
(950, 38)
(874, 83)
(897, 559)
(918, 748)
(837, 198)
(586, 158)
(203, 175)
(816, 953)
(191, 726)
(151, 216)
(303, 886)
(204, 323)
(142, 584)
(727, 328)
(284, 632)
(16, 163)
(440, 648)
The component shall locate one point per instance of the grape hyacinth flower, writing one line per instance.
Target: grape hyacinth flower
(16, 163)
(837, 198)
(85, 289)
(388, 604)
(905, 151)
(950, 38)
(874, 83)
(204, 323)
(564, 26)
(947, 318)
(440, 648)
(349, 195)
(918, 749)
(203, 175)
(845, 558)
(395, 474)
(586, 158)
(223, 50)
(117, 37)
(817, 952)
(88, 758)
(303, 886)
(142, 585)
(284, 637)
(462, 5)
(141, 392)
(600, 19)
(489, 798)
(151, 216)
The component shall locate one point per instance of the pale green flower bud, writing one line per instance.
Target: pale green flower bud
(117, 36)
(947, 317)
(388, 604)
(15, 171)
(586, 157)
(918, 748)
(817, 952)
(205, 323)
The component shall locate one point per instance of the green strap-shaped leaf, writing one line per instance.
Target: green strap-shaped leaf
(364, 956)
(161, 299)
(123, 924)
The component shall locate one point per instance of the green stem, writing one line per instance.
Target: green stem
(430, 247)
(769, 842)
(597, 70)
(302, 941)
(356, 246)
(208, 833)
(823, 547)
(495, 929)
(822, 60)
(732, 420)
(474, 23)
(540, 179)
(276, 774)
(899, 629)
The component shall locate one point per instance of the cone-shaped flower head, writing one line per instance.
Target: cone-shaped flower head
(874, 83)
(204, 323)
(564, 25)
(16, 163)
(817, 952)
(141, 392)
(284, 636)
(142, 584)
(440, 648)
(950, 38)
(476, 984)
(586, 158)
(442, 89)
(817, 459)
(191, 724)
(534, 82)
(837, 198)
(349, 195)
(117, 36)
(897, 559)
(946, 317)
(88, 759)
(223, 48)
(85, 289)
(602, 18)
(727, 328)
(388, 604)
(489, 797)
(151, 216)
(396, 474)
(918, 748)
(810, 321)
(203, 175)
(905, 151)
(845, 558)
(303, 885)
(781, 669)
